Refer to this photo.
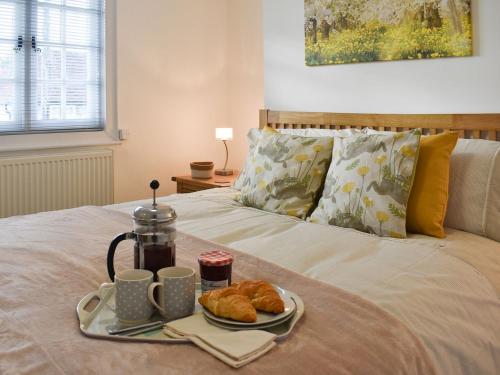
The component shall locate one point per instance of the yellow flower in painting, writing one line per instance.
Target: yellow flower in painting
(301, 157)
(381, 159)
(367, 201)
(259, 169)
(347, 188)
(363, 171)
(408, 151)
(262, 184)
(382, 216)
(318, 148)
(316, 172)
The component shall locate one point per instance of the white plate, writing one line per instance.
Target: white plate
(264, 326)
(262, 317)
(233, 326)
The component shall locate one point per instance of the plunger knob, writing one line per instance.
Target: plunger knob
(154, 185)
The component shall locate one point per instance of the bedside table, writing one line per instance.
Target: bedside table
(188, 184)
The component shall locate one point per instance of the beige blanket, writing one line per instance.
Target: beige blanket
(442, 289)
(49, 261)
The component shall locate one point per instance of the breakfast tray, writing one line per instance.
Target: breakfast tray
(94, 323)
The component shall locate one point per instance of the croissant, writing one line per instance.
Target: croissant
(262, 295)
(229, 303)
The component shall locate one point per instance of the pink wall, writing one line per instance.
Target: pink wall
(183, 69)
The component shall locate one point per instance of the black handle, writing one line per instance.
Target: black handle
(112, 249)
(20, 42)
(33, 44)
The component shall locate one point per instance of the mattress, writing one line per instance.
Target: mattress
(445, 290)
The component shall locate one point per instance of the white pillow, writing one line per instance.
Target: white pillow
(320, 132)
(474, 192)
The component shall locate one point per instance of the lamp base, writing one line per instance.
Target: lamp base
(223, 172)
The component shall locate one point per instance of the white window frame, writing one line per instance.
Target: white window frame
(106, 136)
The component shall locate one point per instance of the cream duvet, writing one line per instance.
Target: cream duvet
(445, 291)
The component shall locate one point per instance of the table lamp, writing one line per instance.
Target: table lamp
(224, 135)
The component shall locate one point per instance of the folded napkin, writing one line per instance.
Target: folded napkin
(235, 348)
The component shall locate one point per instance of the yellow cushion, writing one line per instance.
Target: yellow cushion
(429, 194)
(267, 129)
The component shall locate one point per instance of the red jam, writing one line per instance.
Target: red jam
(215, 269)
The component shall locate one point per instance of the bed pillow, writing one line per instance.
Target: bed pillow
(253, 137)
(312, 132)
(429, 195)
(369, 182)
(286, 174)
(474, 202)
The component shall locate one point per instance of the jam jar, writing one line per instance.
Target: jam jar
(215, 269)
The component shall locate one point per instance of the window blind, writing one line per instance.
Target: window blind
(51, 65)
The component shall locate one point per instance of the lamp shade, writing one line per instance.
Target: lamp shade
(224, 134)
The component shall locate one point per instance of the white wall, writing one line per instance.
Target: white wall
(452, 85)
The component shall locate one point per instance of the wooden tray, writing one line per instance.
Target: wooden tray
(94, 323)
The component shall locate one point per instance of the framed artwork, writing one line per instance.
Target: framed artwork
(355, 31)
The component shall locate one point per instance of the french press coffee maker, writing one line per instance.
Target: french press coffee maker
(154, 234)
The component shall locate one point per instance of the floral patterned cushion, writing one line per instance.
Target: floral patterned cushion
(253, 138)
(369, 182)
(286, 173)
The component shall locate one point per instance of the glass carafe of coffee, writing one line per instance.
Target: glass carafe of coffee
(154, 235)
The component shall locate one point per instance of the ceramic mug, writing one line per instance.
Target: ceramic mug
(177, 292)
(131, 300)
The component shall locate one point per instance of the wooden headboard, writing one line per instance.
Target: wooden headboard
(478, 126)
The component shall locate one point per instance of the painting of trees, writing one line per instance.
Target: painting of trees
(352, 31)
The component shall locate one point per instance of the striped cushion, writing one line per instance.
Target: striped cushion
(474, 192)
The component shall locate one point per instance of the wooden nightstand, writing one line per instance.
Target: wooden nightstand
(188, 184)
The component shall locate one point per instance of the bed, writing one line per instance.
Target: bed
(446, 291)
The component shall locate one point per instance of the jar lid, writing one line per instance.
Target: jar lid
(154, 214)
(215, 258)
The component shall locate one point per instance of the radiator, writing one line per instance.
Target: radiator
(55, 181)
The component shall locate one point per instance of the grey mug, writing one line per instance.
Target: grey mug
(131, 299)
(176, 295)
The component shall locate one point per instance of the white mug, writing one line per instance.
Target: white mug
(131, 300)
(177, 292)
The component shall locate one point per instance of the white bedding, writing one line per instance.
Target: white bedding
(445, 290)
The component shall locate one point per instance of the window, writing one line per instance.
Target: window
(51, 65)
